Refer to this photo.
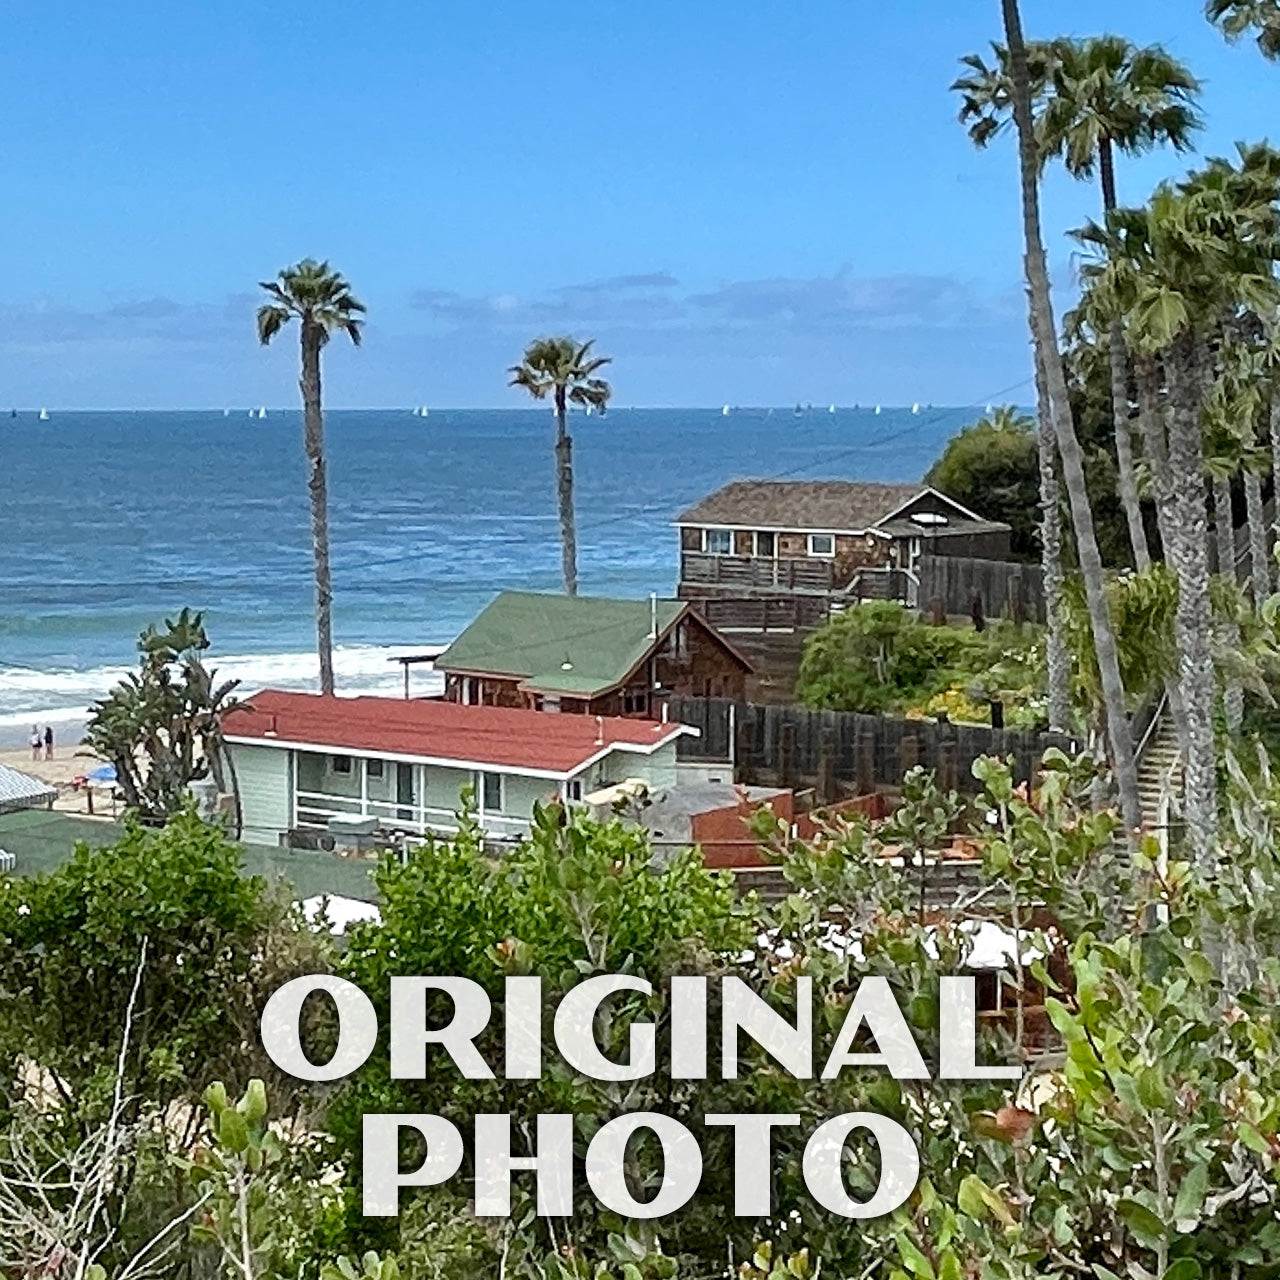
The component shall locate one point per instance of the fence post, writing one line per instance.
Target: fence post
(827, 765)
(746, 758)
(938, 615)
(786, 754)
(908, 753)
(864, 757)
(1016, 615)
(947, 763)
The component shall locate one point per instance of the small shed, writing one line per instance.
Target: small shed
(21, 791)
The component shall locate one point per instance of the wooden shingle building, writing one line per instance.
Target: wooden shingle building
(824, 538)
(587, 655)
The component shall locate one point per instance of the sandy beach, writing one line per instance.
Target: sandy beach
(60, 771)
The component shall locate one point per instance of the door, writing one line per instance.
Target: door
(405, 791)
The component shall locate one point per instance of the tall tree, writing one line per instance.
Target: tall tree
(566, 371)
(1092, 98)
(323, 304)
(1106, 95)
(986, 102)
(1179, 272)
(1050, 358)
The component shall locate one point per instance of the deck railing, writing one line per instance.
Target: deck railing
(313, 809)
(784, 574)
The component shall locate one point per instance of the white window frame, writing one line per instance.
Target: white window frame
(755, 544)
(813, 550)
(707, 549)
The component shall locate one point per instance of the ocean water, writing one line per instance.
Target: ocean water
(109, 521)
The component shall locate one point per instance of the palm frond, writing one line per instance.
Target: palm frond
(271, 319)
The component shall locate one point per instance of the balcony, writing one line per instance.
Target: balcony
(756, 573)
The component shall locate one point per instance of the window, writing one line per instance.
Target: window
(635, 702)
(717, 542)
(573, 789)
(340, 764)
(766, 545)
(822, 544)
(491, 792)
(374, 768)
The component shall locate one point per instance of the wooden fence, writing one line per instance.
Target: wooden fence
(1006, 589)
(832, 750)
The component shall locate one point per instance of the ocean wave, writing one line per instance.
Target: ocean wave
(63, 695)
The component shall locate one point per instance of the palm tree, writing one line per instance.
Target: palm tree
(1106, 95)
(565, 370)
(986, 105)
(1261, 17)
(1177, 272)
(322, 302)
(1050, 358)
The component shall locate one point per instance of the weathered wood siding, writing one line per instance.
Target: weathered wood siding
(793, 746)
(1006, 589)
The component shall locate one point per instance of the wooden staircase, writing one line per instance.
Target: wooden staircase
(1160, 776)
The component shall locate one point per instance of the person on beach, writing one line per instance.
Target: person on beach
(48, 742)
(35, 742)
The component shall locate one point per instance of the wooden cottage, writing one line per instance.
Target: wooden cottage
(824, 538)
(586, 655)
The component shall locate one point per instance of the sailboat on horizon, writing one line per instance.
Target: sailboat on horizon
(44, 415)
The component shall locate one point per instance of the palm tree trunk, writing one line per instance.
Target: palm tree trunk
(1273, 429)
(1151, 419)
(1045, 341)
(313, 441)
(1127, 480)
(1259, 560)
(1193, 621)
(1057, 659)
(1229, 632)
(1223, 527)
(564, 494)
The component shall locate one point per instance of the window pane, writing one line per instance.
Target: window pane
(718, 542)
(764, 544)
(822, 544)
(491, 792)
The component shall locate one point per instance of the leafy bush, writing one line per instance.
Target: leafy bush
(879, 657)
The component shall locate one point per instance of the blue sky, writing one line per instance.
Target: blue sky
(752, 202)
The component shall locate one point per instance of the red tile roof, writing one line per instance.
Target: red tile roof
(501, 737)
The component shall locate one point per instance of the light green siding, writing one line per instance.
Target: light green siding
(444, 787)
(658, 769)
(520, 794)
(263, 776)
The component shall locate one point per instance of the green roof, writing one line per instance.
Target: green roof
(530, 637)
(42, 840)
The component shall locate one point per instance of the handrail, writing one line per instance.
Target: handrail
(1145, 741)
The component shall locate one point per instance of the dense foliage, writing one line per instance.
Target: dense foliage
(991, 467)
(1151, 1150)
(880, 657)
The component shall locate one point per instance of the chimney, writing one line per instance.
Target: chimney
(653, 615)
